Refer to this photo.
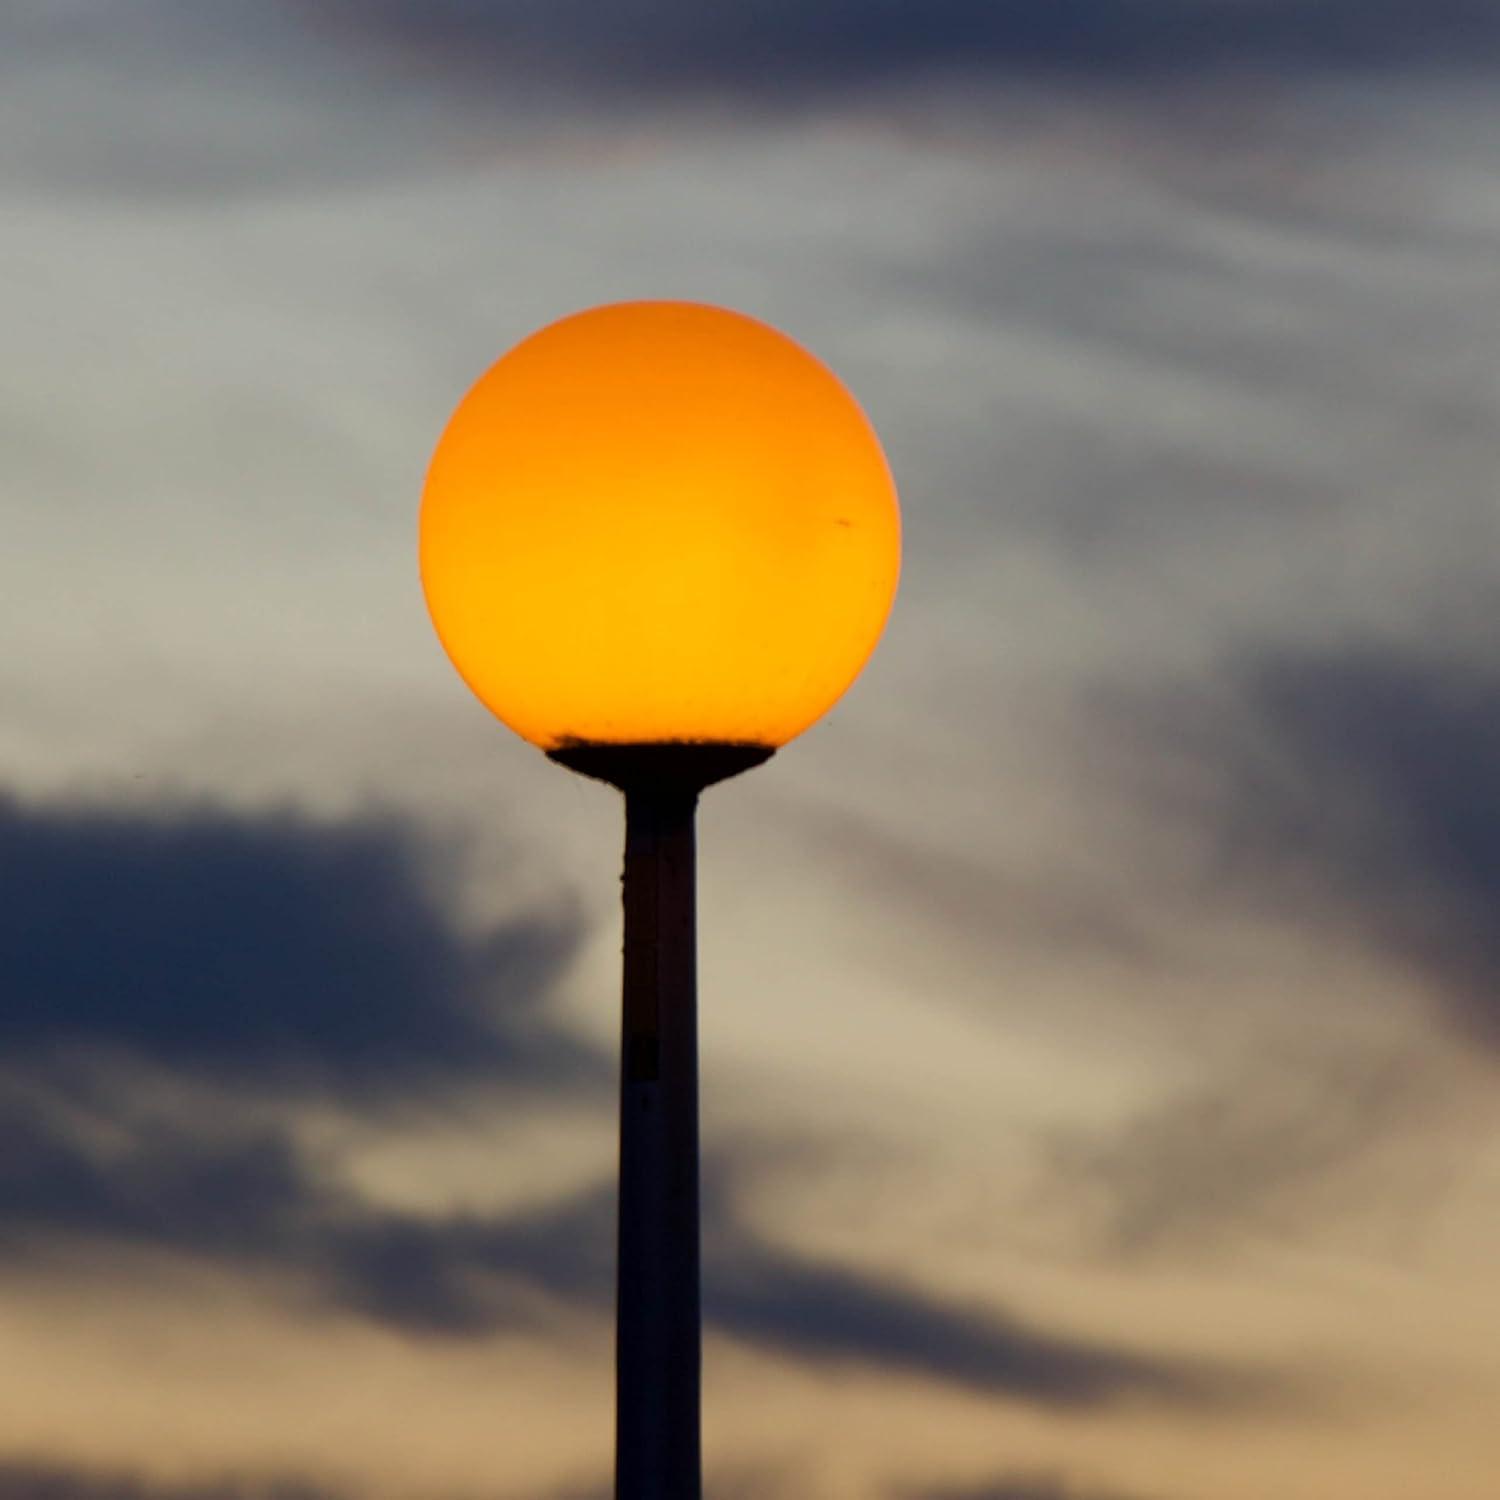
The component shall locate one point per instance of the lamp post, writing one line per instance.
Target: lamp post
(658, 540)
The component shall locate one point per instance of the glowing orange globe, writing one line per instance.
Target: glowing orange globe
(659, 522)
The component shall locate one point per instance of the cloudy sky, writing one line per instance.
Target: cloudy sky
(1101, 1008)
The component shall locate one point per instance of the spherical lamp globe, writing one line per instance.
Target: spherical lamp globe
(659, 523)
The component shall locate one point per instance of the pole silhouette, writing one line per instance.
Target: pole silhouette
(658, 1312)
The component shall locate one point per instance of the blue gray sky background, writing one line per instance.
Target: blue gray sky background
(1101, 1008)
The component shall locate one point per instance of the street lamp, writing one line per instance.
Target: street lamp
(658, 540)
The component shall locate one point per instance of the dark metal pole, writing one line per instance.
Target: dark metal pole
(658, 1447)
(657, 1357)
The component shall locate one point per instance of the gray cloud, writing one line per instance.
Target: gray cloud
(1351, 796)
(777, 47)
(122, 1174)
(249, 1197)
(165, 99)
(171, 972)
(40, 1480)
(206, 1183)
(820, 1311)
(1024, 1486)
(734, 1484)
(221, 1190)
(22, 1479)
(273, 954)
(768, 1296)
(1354, 788)
(1391, 798)
(268, 951)
(994, 903)
(1289, 1136)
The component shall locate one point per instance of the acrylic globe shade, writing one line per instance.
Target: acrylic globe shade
(659, 522)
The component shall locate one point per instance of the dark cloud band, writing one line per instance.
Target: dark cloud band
(265, 951)
(776, 46)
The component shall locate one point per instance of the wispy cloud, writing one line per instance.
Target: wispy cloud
(1354, 786)
(1290, 1137)
(818, 1310)
(250, 1199)
(40, 1480)
(1024, 1486)
(1391, 803)
(775, 48)
(275, 957)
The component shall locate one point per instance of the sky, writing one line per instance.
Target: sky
(1100, 1008)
